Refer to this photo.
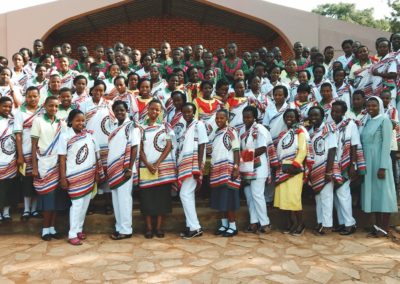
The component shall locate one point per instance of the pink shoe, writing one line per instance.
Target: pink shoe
(81, 236)
(75, 241)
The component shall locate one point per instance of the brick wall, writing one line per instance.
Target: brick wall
(177, 31)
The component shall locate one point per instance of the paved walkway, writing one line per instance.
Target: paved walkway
(274, 258)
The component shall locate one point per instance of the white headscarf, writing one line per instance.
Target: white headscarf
(381, 107)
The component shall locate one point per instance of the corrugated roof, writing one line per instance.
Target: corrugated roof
(142, 9)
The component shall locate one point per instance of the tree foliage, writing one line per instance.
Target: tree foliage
(394, 20)
(348, 12)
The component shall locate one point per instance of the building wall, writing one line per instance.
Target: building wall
(177, 31)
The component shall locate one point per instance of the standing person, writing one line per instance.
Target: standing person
(342, 91)
(329, 53)
(157, 170)
(66, 105)
(273, 118)
(67, 75)
(136, 55)
(324, 172)
(157, 82)
(295, 153)
(38, 50)
(301, 62)
(22, 128)
(192, 88)
(144, 72)
(175, 117)
(236, 105)
(358, 112)
(351, 164)
(7, 88)
(122, 94)
(385, 70)
(327, 100)
(190, 165)
(45, 134)
(143, 99)
(224, 175)
(197, 60)
(8, 159)
(164, 94)
(99, 119)
(133, 80)
(232, 63)
(347, 57)
(98, 56)
(257, 157)
(164, 58)
(360, 76)
(81, 92)
(378, 193)
(79, 170)
(39, 80)
(123, 146)
(19, 76)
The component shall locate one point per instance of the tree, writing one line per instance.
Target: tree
(349, 13)
(394, 21)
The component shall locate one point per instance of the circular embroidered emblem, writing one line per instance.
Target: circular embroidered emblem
(227, 141)
(8, 145)
(319, 146)
(103, 125)
(159, 141)
(82, 154)
(209, 128)
(288, 140)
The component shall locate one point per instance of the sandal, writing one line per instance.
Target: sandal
(148, 234)
(36, 214)
(230, 233)
(75, 241)
(25, 216)
(81, 236)
(160, 234)
(220, 231)
(120, 236)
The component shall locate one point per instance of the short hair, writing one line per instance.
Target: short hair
(221, 82)
(318, 66)
(239, 81)
(224, 111)
(347, 41)
(359, 92)
(296, 113)
(307, 73)
(304, 87)
(328, 47)
(251, 109)
(98, 83)
(155, 101)
(132, 74)
(337, 71)
(281, 87)
(39, 65)
(192, 105)
(65, 89)
(50, 98)
(341, 104)
(119, 77)
(5, 99)
(206, 82)
(79, 77)
(142, 80)
(326, 84)
(319, 108)
(72, 115)
(182, 94)
(31, 88)
(119, 102)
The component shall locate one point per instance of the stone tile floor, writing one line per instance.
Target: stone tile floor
(273, 258)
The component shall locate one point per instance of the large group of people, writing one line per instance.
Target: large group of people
(169, 122)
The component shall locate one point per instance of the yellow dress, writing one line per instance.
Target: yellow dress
(288, 193)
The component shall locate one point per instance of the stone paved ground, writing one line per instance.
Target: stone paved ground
(274, 258)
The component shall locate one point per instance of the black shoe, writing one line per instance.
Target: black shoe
(7, 218)
(230, 233)
(160, 234)
(36, 214)
(56, 236)
(299, 231)
(265, 229)
(184, 232)
(349, 230)
(220, 231)
(148, 234)
(339, 229)
(46, 237)
(322, 231)
(252, 228)
(316, 228)
(193, 234)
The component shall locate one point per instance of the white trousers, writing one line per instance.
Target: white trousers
(122, 203)
(187, 195)
(343, 205)
(256, 202)
(324, 205)
(77, 213)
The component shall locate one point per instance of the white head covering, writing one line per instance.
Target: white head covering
(381, 107)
